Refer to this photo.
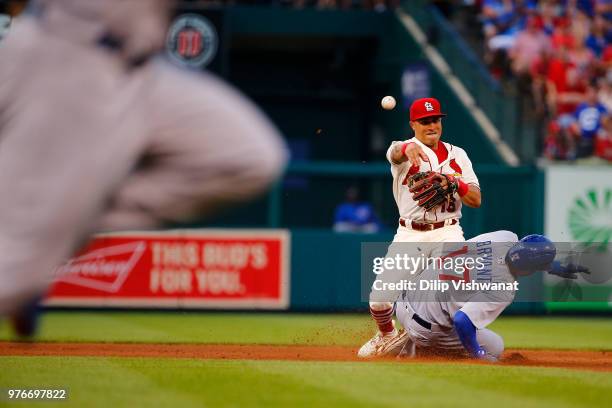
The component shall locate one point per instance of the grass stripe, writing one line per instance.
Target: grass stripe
(169, 382)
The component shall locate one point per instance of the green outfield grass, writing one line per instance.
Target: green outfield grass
(272, 328)
(130, 382)
(123, 382)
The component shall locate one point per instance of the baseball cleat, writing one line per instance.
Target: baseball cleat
(25, 320)
(388, 344)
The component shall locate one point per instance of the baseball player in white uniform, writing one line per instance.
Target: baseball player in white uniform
(97, 133)
(454, 321)
(424, 152)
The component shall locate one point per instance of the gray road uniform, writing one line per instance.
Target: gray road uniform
(427, 315)
(97, 134)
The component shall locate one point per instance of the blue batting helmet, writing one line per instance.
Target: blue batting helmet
(531, 254)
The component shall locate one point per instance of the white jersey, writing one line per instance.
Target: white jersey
(481, 307)
(456, 163)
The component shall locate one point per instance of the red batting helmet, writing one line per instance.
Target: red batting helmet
(425, 107)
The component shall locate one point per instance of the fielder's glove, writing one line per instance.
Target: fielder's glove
(569, 271)
(430, 189)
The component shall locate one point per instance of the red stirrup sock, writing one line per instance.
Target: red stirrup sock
(384, 319)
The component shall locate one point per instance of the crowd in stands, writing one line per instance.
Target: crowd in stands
(559, 53)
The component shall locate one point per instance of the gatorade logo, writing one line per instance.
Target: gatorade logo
(590, 217)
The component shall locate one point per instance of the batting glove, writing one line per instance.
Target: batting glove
(569, 271)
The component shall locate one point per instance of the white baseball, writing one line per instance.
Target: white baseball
(388, 102)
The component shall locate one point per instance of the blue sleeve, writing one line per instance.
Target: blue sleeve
(467, 333)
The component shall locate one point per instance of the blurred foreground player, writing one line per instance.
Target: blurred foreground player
(98, 134)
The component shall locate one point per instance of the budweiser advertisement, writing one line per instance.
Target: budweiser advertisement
(178, 269)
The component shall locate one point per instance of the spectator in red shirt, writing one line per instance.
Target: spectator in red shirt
(562, 35)
(606, 58)
(564, 88)
(557, 67)
(529, 45)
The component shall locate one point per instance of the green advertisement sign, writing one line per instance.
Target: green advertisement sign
(578, 215)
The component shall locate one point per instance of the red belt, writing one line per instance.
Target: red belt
(426, 226)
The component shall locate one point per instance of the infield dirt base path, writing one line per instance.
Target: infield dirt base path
(586, 360)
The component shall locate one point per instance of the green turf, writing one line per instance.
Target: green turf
(556, 332)
(324, 329)
(258, 328)
(119, 382)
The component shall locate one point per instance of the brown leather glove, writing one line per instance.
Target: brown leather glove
(430, 189)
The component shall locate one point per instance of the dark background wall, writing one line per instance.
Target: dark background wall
(320, 76)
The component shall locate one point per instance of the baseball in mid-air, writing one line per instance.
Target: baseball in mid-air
(388, 102)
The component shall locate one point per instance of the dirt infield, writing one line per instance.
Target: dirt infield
(585, 360)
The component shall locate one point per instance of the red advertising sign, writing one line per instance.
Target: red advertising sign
(178, 269)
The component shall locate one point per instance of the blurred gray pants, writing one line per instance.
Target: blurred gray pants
(88, 145)
(440, 339)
